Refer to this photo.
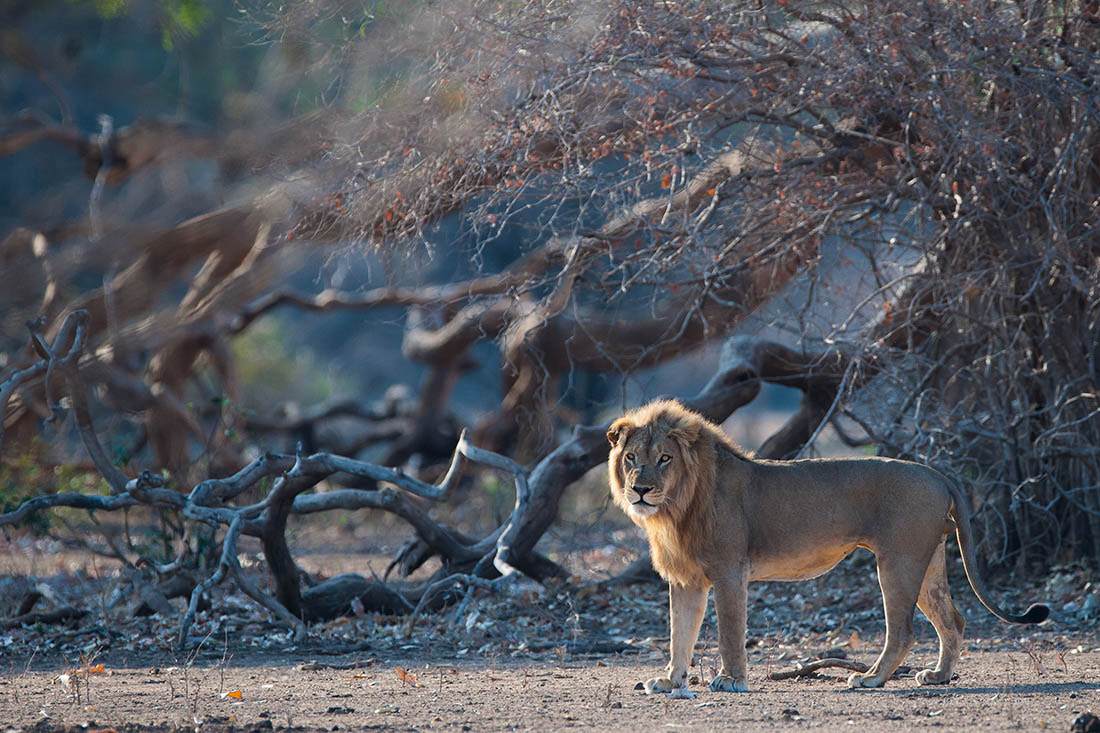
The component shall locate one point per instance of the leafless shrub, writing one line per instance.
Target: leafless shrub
(921, 176)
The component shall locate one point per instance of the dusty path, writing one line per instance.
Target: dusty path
(1001, 686)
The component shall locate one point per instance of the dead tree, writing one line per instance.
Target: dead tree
(678, 171)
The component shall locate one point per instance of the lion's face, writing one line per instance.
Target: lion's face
(647, 466)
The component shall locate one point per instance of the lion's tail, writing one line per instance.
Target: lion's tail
(1036, 613)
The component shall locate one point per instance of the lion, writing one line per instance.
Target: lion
(717, 517)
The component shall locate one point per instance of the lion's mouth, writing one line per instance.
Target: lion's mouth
(643, 509)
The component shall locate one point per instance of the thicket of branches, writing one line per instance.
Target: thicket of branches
(907, 193)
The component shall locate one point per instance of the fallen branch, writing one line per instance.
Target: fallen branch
(56, 616)
(443, 590)
(806, 669)
(230, 564)
(74, 501)
(314, 666)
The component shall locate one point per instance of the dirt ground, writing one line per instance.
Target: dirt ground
(1000, 687)
(531, 659)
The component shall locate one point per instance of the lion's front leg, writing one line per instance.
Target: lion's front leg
(686, 607)
(731, 601)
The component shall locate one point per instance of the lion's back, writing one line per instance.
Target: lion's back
(864, 501)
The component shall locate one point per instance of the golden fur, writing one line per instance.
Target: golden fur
(716, 517)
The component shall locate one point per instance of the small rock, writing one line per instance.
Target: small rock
(834, 653)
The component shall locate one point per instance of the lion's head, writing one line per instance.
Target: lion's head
(654, 465)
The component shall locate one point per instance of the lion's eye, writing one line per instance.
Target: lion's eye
(630, 457)
(665, 458)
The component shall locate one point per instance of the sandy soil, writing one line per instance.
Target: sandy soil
(535, 658)
(1001, 686)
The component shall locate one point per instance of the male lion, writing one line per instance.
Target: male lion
(716, 517)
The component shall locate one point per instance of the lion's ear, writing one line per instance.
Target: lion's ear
(685, 432)
(619, 430)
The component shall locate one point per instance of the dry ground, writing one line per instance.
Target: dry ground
(1000, 687)
(533, 659)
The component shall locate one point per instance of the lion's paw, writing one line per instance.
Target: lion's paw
(931, 677)
(659, 684)
(725, 683)
(857, 681)
(668, 687)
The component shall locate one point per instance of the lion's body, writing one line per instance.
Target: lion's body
(716, 517)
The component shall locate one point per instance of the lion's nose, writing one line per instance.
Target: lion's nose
(641, 491)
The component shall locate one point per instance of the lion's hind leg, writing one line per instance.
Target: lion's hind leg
(935, 603)
(900, 577)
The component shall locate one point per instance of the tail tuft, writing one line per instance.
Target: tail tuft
(1037, 613)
